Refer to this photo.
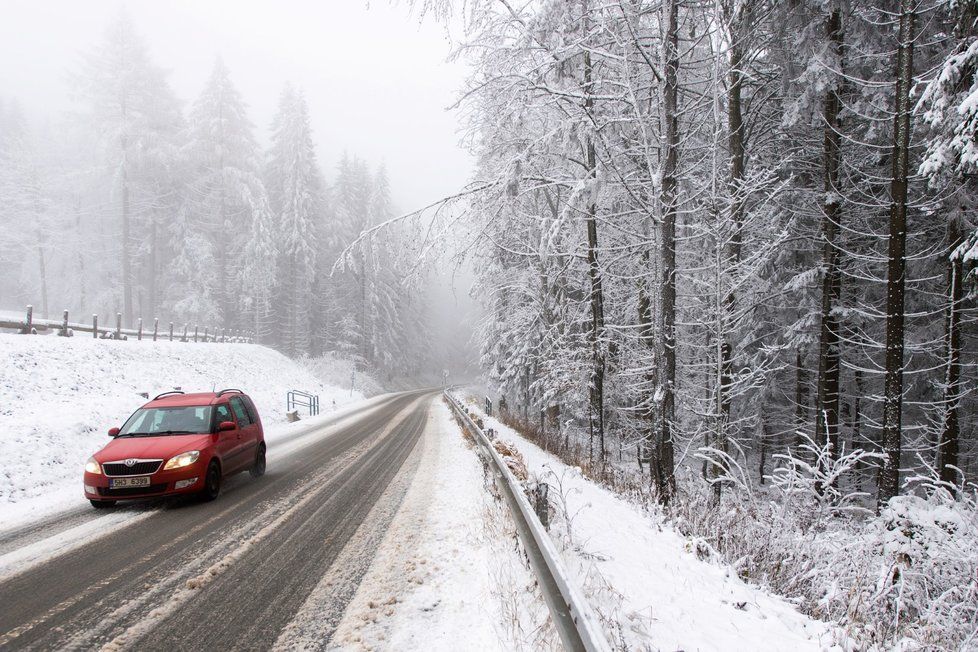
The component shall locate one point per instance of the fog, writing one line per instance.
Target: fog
(114, 120)
(376, 78)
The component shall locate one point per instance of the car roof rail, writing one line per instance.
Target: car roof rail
(229, 391)
(176, 391)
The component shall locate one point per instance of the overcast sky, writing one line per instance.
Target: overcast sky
(376, 80)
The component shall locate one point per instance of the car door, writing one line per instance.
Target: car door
(228, 441)
(249, 432)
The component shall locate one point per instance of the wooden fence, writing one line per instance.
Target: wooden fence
(65, 328)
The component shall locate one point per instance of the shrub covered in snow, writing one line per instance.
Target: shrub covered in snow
(903, 579)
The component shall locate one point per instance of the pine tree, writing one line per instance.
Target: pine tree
(295, 190)
(137, 123)
(225, 188)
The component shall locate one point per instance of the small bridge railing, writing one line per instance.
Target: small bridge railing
(296, 399)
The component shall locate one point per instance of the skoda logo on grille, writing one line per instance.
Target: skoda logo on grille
(130, 462)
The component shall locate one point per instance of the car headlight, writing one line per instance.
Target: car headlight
(91, 466)
(182, 460)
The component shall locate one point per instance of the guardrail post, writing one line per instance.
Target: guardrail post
(29, 323)
(118, 325)
(195, 332)
(95, 326)
(156, 327)
(171, 331)
(541, 503)
(64, 324)
(139, 330)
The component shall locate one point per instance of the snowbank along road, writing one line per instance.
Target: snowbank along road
(232, 573)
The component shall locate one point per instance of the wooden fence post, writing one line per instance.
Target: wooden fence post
(29, 324)
(156, 328)
(118, 325)
(171, 331)
(64, 324)
(139, 332)
(205, 333)
(195, 333)
(184, 339)
(95, 326)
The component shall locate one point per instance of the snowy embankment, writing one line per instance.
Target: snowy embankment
(646, 581)
(59, 396)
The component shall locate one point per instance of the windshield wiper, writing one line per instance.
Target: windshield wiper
(160, 432)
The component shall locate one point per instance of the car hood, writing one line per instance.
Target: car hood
(162, 447)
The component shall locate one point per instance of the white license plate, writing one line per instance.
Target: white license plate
(118, 483)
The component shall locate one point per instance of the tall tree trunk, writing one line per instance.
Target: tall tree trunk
(857, 424)
(827, 406)
(801, 402)
(126, 261)
(897, 264)
(223, 304)
(670, 162)
(765, 436)
(154, 277)
(594, 272)
(81, 258)
(44, 277)
(735, 146)
(947, 454)
(42, 268)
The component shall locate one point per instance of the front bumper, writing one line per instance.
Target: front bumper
(187, 480)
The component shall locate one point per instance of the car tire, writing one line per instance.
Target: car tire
(102, 504)
(258, 468)
(212, 483)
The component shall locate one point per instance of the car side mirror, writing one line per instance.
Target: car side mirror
(226, 425)
(113, 432)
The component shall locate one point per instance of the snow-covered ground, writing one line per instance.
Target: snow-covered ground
(646, 581)
(59, 396)
(433, 584)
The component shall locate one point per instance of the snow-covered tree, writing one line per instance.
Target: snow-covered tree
(295, 189)
(137, 124)
(225, 194)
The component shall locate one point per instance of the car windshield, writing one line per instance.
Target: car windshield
(193, 419)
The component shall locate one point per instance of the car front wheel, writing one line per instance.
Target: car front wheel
(212, 482)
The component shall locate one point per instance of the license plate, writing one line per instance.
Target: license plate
(118, 483)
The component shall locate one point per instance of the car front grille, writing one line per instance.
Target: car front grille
(131, 491)
(142, 467)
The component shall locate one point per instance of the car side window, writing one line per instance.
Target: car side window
(252, 412)
(223, 413)
(241, 412)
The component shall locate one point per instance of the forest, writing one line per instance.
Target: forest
(726, 249)
(135, 202)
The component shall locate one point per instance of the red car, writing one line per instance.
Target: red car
(178, 444)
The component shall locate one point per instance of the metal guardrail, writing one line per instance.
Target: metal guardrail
(573, 617)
